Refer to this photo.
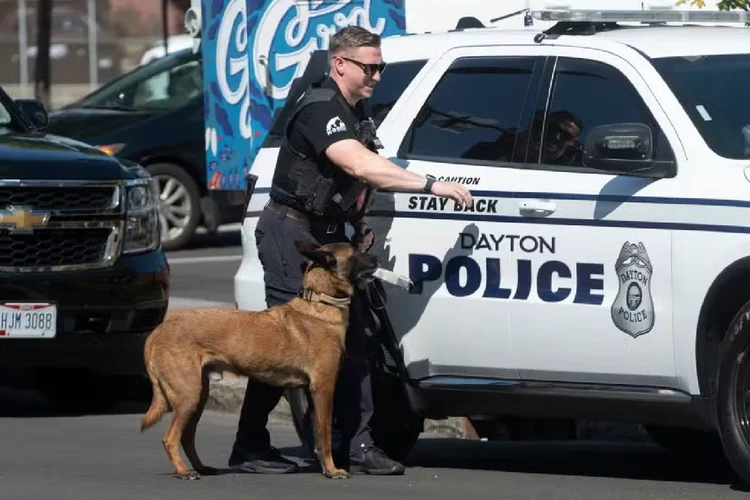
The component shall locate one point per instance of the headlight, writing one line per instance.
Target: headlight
(110, 149)
(142, 216)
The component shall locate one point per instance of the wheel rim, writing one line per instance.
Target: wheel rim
(742, 395)
(174, 207)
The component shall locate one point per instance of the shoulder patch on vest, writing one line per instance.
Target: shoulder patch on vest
(334, 125)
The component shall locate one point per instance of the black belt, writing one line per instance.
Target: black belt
(288, 212)
(292, 213)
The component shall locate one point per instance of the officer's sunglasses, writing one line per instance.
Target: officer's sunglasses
(369, 69)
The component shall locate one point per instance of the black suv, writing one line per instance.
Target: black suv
(83, 278)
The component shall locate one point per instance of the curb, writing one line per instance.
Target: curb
(177, 303)
(227, 394)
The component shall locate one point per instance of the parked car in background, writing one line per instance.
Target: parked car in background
(175, 43)
(153, 115)
(83, 279)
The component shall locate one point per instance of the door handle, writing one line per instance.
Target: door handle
(536, 208)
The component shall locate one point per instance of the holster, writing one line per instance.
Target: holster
(318, 203)
(314, 189)
(346, 199)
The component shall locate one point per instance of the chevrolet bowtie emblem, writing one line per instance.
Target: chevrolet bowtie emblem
(23, 219)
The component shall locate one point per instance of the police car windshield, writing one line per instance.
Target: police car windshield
(713, 91)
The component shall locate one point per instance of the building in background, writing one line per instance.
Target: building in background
(123, 32)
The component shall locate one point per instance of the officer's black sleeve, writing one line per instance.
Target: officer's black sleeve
(323, 124)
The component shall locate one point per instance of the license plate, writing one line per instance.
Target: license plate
(28, 320)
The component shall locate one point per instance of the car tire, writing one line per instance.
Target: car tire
(732, 388)
(173, 178)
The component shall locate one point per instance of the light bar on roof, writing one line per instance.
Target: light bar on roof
(644, 16)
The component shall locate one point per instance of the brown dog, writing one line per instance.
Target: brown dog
(299, 344)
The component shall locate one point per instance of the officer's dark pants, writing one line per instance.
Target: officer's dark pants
(283, 268)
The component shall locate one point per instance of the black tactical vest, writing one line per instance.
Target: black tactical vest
(319, 189)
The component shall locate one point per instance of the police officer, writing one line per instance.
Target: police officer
(327, 163)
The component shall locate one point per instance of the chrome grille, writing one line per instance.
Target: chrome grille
(83, 229)
(53, 247)
(94, 198)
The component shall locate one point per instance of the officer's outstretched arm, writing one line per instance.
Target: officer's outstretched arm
(358, 161)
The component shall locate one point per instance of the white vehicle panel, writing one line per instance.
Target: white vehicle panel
(612, 321)
(249, 290)
(440, 334)
(699, 259)
(433, 324)
(594, 349)
(697, 217)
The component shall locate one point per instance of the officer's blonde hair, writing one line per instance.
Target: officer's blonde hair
(351, 38)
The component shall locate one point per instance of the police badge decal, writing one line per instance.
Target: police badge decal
(633, 308)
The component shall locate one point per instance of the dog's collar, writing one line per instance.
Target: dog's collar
(313, 296)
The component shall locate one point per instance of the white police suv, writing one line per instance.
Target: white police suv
(603, 271)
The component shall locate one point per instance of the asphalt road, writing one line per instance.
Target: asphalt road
(203, 272)
(44, 455)
(48, 455)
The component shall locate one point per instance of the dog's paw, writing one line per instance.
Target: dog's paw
(208, 471)
(189, 475)
(337, 474)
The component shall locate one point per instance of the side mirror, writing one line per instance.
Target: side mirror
(626, 148)
(35, 111)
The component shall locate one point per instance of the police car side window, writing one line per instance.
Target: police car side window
(585, 94)
(394, 80)
(473, 114)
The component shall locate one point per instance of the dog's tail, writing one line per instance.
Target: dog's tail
(159, 405)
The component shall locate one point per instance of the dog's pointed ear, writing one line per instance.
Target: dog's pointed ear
(315, 253)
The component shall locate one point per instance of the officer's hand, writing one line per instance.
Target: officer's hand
(452, 190)
(363, 237)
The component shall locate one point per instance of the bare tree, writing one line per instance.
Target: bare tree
(42, 75)
(165, 22)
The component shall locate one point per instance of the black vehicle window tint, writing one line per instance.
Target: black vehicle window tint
(714, 93)
(169, 89)
(394, 80)
(586, 94)
(473, 114)
(175, 77)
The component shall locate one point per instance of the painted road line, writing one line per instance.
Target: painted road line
(229, 228)
(188, 303)
(206, 258)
